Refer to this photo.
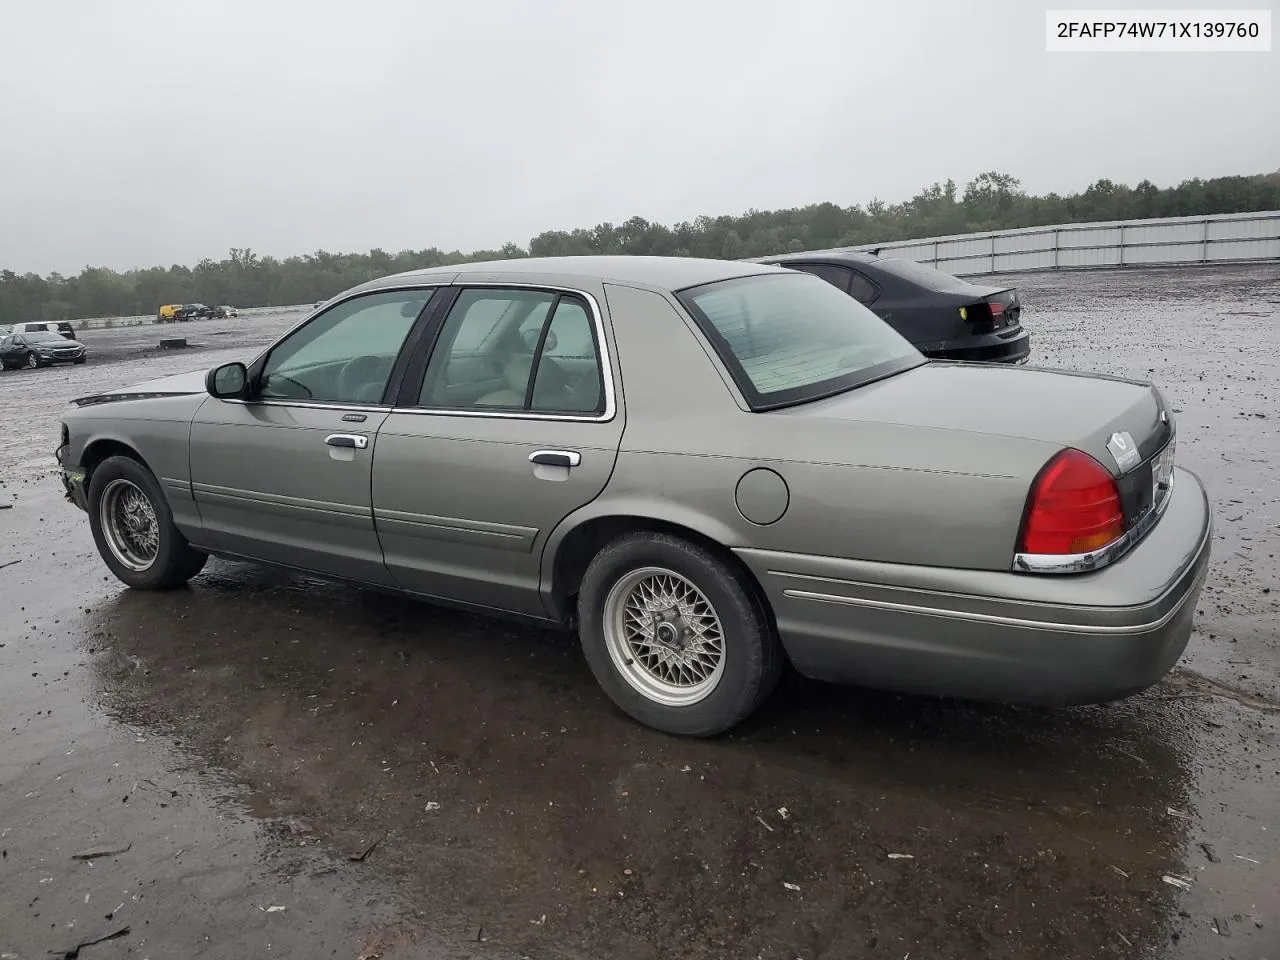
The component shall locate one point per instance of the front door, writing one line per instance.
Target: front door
(285, 476)
(512, 427)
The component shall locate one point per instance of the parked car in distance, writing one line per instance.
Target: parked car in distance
(168, 312)
(39, 349)
(224, 311)
(61, 327)
(945, 317)
(705, 468)
(193, 311)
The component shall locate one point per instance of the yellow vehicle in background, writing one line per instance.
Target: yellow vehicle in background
(168, 313)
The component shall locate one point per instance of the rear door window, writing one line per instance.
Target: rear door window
(518, 351)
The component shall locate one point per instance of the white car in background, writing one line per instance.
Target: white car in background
(62, 328)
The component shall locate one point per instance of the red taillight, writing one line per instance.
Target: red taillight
(1074, 507)
(997, 309)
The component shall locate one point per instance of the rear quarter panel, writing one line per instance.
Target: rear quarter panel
(862, 490)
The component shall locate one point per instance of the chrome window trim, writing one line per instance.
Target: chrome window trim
(606, 363)
(498, 414)
(1096, 559)
(307, 405)
(597, 319)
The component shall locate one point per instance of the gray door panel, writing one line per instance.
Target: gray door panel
(462, 512)
(512, 427)
(269, 486)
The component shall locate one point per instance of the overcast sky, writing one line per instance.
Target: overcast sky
(143, 132)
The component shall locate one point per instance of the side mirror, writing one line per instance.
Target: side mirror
(228, 381)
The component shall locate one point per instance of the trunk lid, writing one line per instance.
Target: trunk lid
(1065, 408)
(994, 310)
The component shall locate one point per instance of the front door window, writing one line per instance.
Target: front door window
(345, 355)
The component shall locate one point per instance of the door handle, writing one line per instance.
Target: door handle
(352, 440)
(556, 458)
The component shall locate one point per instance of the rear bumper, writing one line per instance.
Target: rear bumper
(991, 348)
(987, 635)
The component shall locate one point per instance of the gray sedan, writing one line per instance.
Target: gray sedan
(706, 469)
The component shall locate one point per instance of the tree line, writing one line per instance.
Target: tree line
(991, 201)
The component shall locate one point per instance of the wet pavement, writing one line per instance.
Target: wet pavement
(227, 749)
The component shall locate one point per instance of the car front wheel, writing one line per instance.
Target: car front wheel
(675, 635)
(134, 530)
(32, 361)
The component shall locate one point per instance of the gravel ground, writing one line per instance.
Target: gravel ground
(227, 749)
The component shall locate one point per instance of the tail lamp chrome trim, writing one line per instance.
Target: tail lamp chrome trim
(1103, 556)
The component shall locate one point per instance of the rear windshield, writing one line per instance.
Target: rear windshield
(924, 276)
(791, 338)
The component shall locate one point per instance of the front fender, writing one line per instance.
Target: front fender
(157, 431)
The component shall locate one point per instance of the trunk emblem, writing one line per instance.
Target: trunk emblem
(1124, 450)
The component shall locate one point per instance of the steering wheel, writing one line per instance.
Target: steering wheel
(359, 376)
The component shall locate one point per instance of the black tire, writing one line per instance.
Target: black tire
(175, 561)
(32, 361)
(753, 657)
(80, 361)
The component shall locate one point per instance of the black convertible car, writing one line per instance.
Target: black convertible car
(945, 317)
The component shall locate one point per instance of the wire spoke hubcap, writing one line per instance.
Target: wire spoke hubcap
(664, 636)
(129, 524)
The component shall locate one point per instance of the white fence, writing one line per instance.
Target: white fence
(1223, 238)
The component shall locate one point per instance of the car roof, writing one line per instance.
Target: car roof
(658, 273)
(822, 256)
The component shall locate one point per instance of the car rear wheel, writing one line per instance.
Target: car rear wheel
(675, 636)
(134, 530)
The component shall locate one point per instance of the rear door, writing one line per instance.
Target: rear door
(504, 427)
(285, 476)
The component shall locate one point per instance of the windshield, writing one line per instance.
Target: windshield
(44, 338)
(924, 276)
(791, 338)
